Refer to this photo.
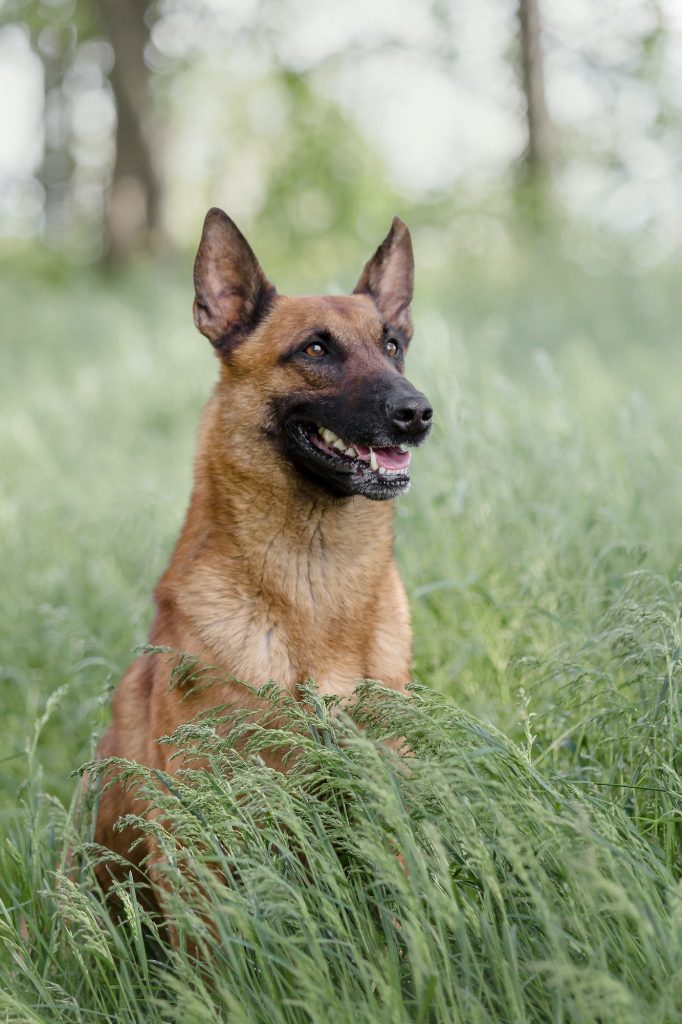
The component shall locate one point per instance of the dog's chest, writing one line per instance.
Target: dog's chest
(319, 621)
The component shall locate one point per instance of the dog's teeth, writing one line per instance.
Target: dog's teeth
(403, 447)
(373, 460)
(382, 471)
(327, 435)
(351, 451)
(339, 444)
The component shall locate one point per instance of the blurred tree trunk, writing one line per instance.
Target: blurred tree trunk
(537, 157)
(55, 45)
(134, 209)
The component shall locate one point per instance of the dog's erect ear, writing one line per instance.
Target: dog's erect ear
(389, 278)
(231, 291)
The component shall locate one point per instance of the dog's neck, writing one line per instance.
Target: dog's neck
(289, 584)
(276, 541)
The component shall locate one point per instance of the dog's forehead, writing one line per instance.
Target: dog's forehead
(347, 317)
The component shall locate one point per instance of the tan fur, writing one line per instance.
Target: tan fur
(272, 577)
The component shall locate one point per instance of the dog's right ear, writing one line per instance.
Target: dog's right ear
(231, 291)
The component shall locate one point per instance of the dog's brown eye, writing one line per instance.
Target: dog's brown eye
(391, 349)
(314, 349)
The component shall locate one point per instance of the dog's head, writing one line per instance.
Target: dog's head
(319, 380)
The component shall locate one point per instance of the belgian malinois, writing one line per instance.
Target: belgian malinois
(284, 568)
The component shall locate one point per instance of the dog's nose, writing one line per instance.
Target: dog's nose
(411, 415)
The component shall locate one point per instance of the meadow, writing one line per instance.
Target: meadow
(539, 822)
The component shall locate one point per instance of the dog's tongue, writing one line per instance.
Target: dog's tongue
(389, 458)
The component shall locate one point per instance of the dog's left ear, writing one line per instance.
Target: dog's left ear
(231, 291)
(389, 278)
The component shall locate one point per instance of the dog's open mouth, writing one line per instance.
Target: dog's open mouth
(380, 460)
(377, 472)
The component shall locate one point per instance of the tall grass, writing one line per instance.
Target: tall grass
(522, 865)
(457, 884)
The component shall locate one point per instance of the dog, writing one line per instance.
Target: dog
(284, 568)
